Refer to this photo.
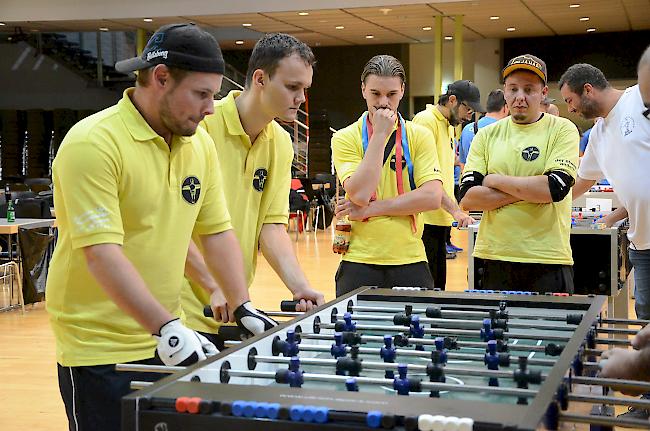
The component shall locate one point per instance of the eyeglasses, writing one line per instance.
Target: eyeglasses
(469, 108)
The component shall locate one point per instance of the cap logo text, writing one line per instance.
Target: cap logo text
(156, 54)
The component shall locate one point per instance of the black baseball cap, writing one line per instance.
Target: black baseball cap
(526, 62)
(547, 100)
(185, 46)
(466, 91)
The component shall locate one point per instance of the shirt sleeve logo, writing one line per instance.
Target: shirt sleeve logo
(259, 179)
(191, 189)
(530, 153)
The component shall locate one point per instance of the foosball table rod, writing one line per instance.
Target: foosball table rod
(429, 386)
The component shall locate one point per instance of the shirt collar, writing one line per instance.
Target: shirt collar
(138, 127)
(233, 123)
(438, 115)
(136, 124)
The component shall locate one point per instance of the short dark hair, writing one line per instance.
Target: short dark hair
(271, 49)
(580, 74)
(383, 65)
(143, 77)
(495, 101)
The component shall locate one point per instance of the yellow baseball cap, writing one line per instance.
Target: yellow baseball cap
(526, 62)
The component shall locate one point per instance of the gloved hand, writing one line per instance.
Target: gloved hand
(179, 345)
(251, 320)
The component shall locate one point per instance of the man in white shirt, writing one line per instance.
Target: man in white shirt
(619, 150)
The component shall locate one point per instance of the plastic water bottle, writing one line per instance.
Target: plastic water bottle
(342, 236)
(11, 212)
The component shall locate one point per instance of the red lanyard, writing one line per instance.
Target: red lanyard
(398, 167)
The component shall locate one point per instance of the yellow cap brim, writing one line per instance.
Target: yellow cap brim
(508, 70)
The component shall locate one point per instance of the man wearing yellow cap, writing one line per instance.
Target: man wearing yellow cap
(519, 173)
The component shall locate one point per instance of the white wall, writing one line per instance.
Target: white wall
(421, 60)
(481, 64)
(32, 81)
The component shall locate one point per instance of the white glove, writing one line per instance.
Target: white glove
(251, 320)
(179, 345)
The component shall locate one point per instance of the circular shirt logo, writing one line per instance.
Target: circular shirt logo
(627, 126)
(259, 179)
(529, 154)
(392, 163)
(191, 189)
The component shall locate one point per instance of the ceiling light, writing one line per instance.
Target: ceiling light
(574, 5)
(449, 37)
(385, 10)
(584, 18)
(239, 42)
(511, 29)
(147, 20)
(339, 27)
(247, 24)
(427, 28)
(103, 28)
(369, 36)
(494, 18)
(36, 30)
(2, 23)
(303, 13)
(591, 30)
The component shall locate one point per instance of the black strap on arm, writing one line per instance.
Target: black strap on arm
(559, 184)
(469, 180)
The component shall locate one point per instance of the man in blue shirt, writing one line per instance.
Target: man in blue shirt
(496, 110)
(584, 141)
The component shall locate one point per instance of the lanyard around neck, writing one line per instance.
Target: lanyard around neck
(401, 151)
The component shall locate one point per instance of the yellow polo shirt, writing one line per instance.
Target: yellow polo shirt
(523, 231)
(257, 179)
(443, 135)
(386, 240)
(118, 182)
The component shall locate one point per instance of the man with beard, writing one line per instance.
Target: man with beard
(255, 156)
(390, 172)
(456, 105)
(130, 184)
(624, 128)
(519, 172)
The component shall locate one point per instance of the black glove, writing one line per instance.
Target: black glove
(251, 320)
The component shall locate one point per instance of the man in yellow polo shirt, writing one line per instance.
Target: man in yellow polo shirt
(519, 172)
(131, 183)
(390, 172)
(457, 104)
(255, 156)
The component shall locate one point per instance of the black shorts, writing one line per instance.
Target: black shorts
(530, 277)
(352, 275)
(93, 395)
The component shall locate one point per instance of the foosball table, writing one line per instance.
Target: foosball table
(403, 359)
